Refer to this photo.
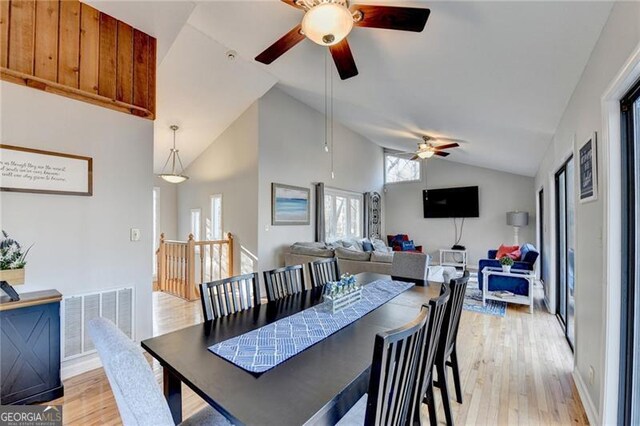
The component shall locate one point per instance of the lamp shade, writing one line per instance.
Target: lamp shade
(518, 219)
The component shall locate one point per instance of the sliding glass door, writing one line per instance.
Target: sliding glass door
(565, 248)
(630, 315)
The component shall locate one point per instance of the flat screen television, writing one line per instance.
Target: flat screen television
(451, 202)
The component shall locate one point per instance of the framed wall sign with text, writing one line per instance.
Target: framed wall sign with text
(588, 169)
(44, 172)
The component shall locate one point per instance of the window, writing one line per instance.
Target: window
(214, 227)
(196, 223)
(399, 169)
(342, 214)
(156, 228)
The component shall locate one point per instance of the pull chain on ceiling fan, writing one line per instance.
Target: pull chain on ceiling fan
(329, 22)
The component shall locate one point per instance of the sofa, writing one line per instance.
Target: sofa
(353, 258)
(528, 256)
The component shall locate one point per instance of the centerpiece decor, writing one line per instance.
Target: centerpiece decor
(506, 262)
(342, 294)
(12, 260)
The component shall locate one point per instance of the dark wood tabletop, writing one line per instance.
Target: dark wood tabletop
(317, 386)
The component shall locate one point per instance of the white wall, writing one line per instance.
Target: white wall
(229, 166)
(583, 115)
(168, 208)
(291, 152)
(82, 243)
(499, 192)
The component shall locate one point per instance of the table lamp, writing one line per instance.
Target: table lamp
(517, 220)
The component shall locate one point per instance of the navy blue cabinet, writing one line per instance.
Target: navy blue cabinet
(30, 348)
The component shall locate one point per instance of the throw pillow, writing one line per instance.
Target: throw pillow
(379, 245)
(367, 246)
(510, 251)
(408, 246)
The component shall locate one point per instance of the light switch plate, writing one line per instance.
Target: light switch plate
(134, 234)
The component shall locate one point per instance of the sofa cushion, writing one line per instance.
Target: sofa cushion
(311, 244)
(350, 254)
(311, 251)
(379, 245)
(352, 244)
(382, 257)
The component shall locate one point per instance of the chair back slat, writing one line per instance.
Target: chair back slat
(283, 282)
(394, 371)
(429, 349)
(324, 270)
(452, 314)
(229, 295)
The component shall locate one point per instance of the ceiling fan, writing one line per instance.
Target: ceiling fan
(328, 22)
(428, 148)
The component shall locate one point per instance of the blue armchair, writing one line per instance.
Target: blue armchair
(528, 257)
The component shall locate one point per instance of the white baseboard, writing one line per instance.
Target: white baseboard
(587, 403)
(80, 365)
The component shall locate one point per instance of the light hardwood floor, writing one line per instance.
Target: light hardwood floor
(515, 370)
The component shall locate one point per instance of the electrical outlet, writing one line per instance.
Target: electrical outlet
(592, 375)
(134, 234)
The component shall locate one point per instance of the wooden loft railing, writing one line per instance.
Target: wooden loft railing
(184, 265)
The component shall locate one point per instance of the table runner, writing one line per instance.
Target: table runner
(262, 349)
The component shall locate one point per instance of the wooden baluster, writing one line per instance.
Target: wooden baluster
(211, 276)
(229, 253)
(162, 263)
(191, 270)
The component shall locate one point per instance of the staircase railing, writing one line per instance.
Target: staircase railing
(183, 265)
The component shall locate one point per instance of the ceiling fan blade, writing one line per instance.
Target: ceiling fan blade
(441, 153)
(415, 157)
(281, 46)
(343, 58)
(447, 146)
(391, 17)
(292, 3)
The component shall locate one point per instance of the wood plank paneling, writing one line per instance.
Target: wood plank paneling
(46, 39)
(4, 32)
(89, 48)
(124, 74)
(69, 46)
(140, 69)
(108, 56)
(22, 35)
(152, 74)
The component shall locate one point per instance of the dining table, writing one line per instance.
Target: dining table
(316, 386)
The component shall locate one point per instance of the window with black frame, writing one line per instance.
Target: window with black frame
(630, 324)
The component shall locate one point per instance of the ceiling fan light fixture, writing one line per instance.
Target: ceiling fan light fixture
(327, 23)
(425, 154)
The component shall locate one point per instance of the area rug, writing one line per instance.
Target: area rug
(473, 302)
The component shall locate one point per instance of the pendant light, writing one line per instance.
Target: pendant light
(173, 177)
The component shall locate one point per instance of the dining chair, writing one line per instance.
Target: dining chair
(138, 396)
(324, 270)
(392, 381)
(424, 392)
(283, 282)
(447, 355)
(229, 295)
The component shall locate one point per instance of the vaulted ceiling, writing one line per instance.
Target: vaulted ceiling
(495, 74)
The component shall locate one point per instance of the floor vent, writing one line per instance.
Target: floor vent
(115, 305)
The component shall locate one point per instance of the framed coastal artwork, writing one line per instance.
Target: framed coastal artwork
(44, 172)
(290, 205)
(588, 170)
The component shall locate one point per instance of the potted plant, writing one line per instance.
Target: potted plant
(12, 260)
(506, 263)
